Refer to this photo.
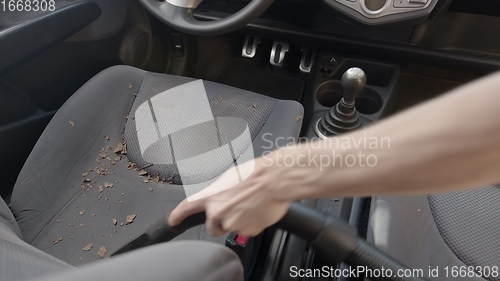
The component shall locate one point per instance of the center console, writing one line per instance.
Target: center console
(344, 93)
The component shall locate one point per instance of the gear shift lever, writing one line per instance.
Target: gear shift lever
(343, 117)
(353, 81)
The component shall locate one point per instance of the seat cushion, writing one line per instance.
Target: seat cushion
(78, 183)
(176, 261)
(191, 260)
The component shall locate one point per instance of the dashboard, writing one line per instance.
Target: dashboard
(374, 12)
(451, 32)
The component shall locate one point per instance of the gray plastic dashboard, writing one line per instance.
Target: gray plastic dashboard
(377, 12)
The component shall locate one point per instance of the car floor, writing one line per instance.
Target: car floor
(219, 60)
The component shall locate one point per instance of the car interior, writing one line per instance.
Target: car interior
(113, 111)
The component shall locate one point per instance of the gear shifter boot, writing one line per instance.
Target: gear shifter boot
(343, 117)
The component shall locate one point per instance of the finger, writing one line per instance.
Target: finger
(227, 180)
(229, 203)
(239, 224)
(214, 227)
(184, 210)
(232, 221)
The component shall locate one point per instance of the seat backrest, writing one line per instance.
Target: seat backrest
(18, 259)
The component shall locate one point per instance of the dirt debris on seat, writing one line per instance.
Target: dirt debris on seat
(131, 218)
(131, 165)
(254, 105)
(108, 185)
(87, 247)
(298, 118)
(102, 252)
(57, 240)
(115, 221)
(121, 148)
(72, 124)
(82, 212)
(106, 138)
(102, 171)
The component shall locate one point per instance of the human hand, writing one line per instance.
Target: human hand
(246, 207)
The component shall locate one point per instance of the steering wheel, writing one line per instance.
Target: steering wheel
(179, 15)
(331, 238)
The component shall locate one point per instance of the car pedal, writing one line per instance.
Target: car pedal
(307, 60)
(250, 46)
(278, 53)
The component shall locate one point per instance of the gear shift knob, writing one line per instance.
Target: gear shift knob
(353, 82)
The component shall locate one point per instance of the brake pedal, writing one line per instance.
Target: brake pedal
(250, 46)
(307, 60)
(278, 53)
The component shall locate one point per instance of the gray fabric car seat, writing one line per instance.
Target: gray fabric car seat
(96, 175)
(18, 259)
(456, 229)
(175, 261)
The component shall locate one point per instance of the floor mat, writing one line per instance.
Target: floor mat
(256, 76)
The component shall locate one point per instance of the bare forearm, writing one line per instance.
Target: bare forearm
(450, 143)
